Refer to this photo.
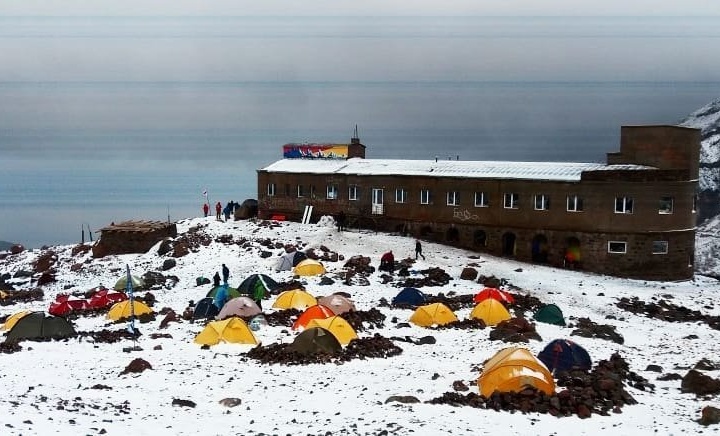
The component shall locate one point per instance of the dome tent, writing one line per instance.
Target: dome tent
(315, 340)
(550, 314)
(309, 267)
(294, 299)
(433, 314)
(513, 369)
(336, 325)
(37, 325)
(564, 355)
(317, 311)
(490, 311)
(240, 306)
(122, 310)
(247, 287)
(337, 303)
(409, 297)
(494, 293)
(287, 261)
(205, 309)
(232, 330)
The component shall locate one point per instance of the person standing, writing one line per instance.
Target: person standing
(418, 250)
(216, 280)
(226, 273)
(218, 210)
(206, 209)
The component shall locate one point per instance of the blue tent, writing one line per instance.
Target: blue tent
(409, 297)
(564, 355)
(205, 309)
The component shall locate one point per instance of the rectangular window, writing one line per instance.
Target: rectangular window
(660, 247)
(271, 190)
(312, 191)
(510, 201)
(424, 196)
(400, 195)
(453, 198)
(332, 192)
(353, 193)
(481, 199)
(300, 191)
(666, 205)
(623, 205)
(542, 202)
(617, 247)
(574, 203)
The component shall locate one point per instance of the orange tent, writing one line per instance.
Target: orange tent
(314, 312)
(495, 294)
(513, 369)
(491, 311)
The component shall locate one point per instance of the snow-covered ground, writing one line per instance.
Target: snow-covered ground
(47, 387)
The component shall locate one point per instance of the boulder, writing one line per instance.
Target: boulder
(168, 264)
(468, 274)
(17, 249)
(710, 415)
(699, 384)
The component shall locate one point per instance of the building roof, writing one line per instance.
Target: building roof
(555, 171)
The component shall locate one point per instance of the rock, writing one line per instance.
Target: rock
(137, 365)
(654, 368)
(169, 264)
(17, 249)
(459, 386)
(710, 415)
(670, 376)
(165, 247)
(426, 340)
(325, 281)
(468, 274)
(183, 403)
(265, 254)
(46, 277)
(405, 399)
(180, 249)
(76, 267)
(699, 384)
(706, 365)
(230, 402)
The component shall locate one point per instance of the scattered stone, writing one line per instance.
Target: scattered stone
(515, 330)
(699, 384)
(230, 402)
(667, 312)
(183, 403)
(460, 386)
(589, 329)
(17, 249)
(405, 399)
(654, 368)
(670, 376)
(710, 415)
(706, 365)
(136, 366)
(468, 274)
(169, 264)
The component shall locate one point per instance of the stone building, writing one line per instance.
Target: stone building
(132, 237)
(633, 216)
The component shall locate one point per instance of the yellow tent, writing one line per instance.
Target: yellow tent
(336, 325)
(232, 330)
(122, 310)
(12, 319)
(309, 267)
(294, 299)
(430, 314)
(491, 311)
(511, 370)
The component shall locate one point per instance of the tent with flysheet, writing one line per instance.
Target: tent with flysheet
(513, 369)
(12, 319)
(205, 309)
(433, 314)
(490, 311)
(232, 330)
(315, 340)
(123, 310)
(564, 355)
(338, 326)
(247, 287)
(287, 261)
(37, 325)
(494, 293)
(317, 311)
(240, 306)
(294, 299)
(309, 267)
(409, 297)
(337, 303)
(550, 314)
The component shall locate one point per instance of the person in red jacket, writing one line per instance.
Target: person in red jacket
(387, 262)
(206, 209)
(218, 210)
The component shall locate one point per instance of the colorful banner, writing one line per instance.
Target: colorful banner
(318, 151)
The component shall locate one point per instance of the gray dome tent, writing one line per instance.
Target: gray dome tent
(37, 325)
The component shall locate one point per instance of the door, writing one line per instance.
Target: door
(377, 201)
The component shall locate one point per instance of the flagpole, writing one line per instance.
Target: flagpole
(129, 291)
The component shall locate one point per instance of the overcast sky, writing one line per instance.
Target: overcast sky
(364, 7)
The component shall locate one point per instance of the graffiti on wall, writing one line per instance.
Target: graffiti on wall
(317, 151)
(464, 215)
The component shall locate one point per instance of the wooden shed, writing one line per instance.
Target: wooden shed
(132, 237)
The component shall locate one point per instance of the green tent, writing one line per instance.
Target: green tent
(550, 314)
(316, 340)
(247, 287)
(232, 292)
(38, 326)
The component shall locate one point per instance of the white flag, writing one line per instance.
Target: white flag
(205, 193)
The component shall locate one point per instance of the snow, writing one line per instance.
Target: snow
(558, 171)
(339, 399)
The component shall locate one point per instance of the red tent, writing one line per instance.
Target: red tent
(67, 305)
(105, 298)
(495, 294)
(315, 312)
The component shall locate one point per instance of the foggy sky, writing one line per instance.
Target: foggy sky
(366, 7)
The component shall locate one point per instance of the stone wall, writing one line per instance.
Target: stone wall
(132, 237)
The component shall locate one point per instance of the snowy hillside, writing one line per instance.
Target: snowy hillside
(707, 119)
(79, 386)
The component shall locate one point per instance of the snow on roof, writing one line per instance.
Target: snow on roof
(559, 171)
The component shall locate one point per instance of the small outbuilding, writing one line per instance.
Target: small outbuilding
(132, 237)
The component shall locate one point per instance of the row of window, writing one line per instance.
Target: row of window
(574, 203)
(620, 247)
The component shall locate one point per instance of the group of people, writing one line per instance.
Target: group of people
(387, 260)
(220, 211)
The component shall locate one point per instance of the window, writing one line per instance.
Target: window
(542, 202)
(574, 203)
(510, 201)
(694, 203)
(453, 198)
(617, 247)
(666, 205)
(271, 190)
(623, 205)
(353, 192)
(660, 247)
(300, 191)
(332, 192)
(312, 191)
(424, 196)
(481, 199)
(400, 195)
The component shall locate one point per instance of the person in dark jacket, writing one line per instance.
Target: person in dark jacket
(418, 250)
(216, 280)
(226, 273)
